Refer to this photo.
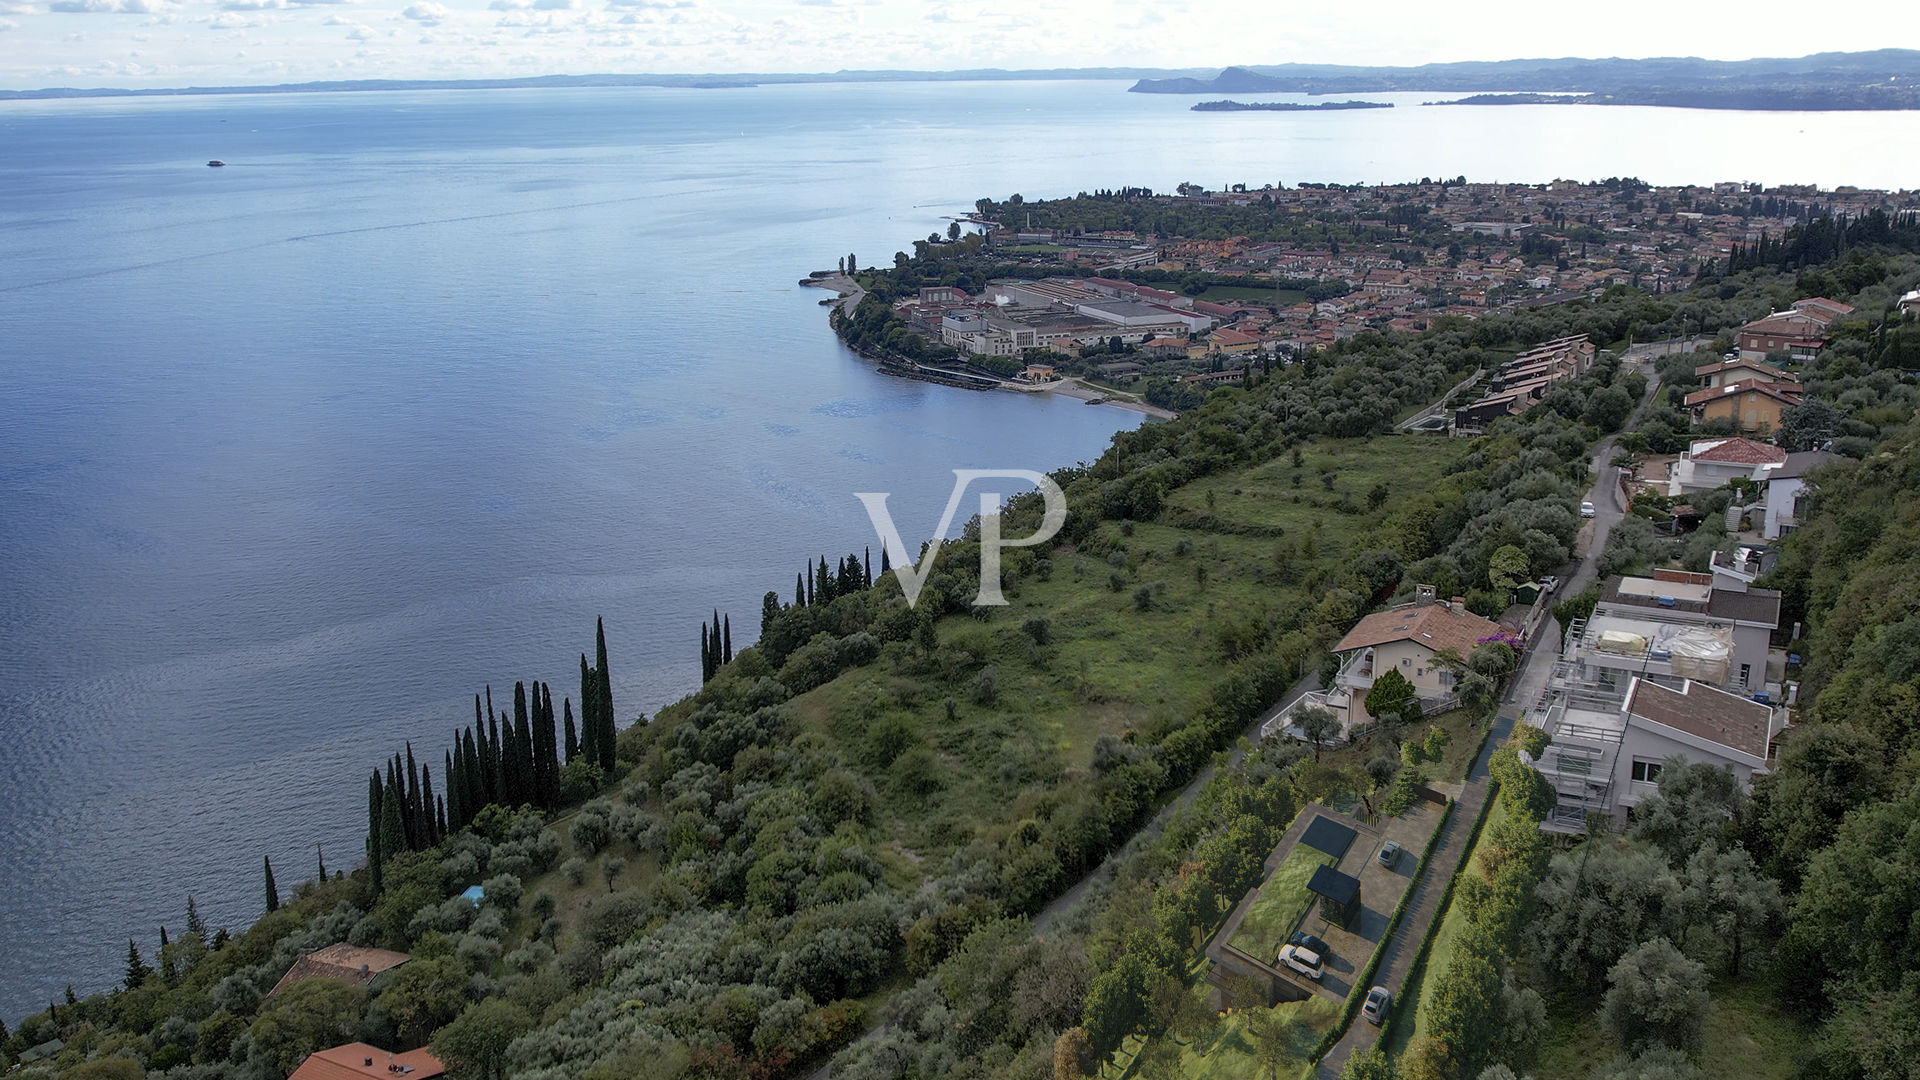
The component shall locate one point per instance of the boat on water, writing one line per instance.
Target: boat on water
(216, 163)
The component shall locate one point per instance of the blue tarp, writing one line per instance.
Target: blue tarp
(474, 895)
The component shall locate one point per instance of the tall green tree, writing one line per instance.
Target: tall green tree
(273, 892)
(603, 683)
(573, 735)
(474, 1045)
(137, 969)
(195, 924)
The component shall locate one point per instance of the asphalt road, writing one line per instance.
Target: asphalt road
(1524, 689)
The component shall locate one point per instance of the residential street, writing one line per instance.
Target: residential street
(1522, 691)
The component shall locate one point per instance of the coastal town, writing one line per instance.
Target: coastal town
(1190, 307)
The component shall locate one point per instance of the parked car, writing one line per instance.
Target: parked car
(1389, 854)
(1310, 943)
(1375, 1007)
(1302, 959)
(1549, 583)
(1587, 510)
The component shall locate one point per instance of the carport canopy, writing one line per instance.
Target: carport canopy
(1334, 885)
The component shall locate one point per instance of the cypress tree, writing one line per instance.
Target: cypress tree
(573, 736)
(496, 763)
(376, 854)
(523, 748)
(393, 831)
(476, 793)
(866, 568)
(546, 757)
(799, 590)
(166, 959)
(706, 655)
(195, 925)
(769, 611)
(416, 805)
(374, 872)
(603, 711)
(589, 727)
(453, 780)
(319, 852)
(137, 969)
(429, 831)
(811, 582)
(726, 639)
(441, 811)
(825, 588)
(273, 892)
(886, 564)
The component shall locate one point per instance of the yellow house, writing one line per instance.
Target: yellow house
(1753, 406)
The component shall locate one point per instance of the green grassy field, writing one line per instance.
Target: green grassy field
(1269, 497)
(1279, 904)
(1140, 656)
(1225, 294)
(1747, 1037)
(1230, 1052)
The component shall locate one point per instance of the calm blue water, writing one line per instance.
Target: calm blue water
(301, 452)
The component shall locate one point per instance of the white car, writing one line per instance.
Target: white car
(1587, 510)
(1303, 960)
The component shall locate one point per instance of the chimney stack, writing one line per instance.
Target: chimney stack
(1459, 605)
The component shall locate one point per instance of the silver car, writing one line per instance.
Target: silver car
(1375, 1007)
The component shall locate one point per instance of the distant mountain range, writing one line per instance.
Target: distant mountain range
(1881, 79)
(699, 82)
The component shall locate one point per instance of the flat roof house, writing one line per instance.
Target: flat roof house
(1608, 748)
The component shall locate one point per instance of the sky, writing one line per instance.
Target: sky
(159, 43)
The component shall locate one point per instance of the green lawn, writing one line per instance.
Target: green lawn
(1463, 740)
(1279, 905)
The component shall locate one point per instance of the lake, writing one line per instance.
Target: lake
(301, 453)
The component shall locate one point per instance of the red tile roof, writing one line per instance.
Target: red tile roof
(1741, 452)
(1434, 625)
(1783, 392)
(1705, 713)
(1767, 371)
(358, 1061)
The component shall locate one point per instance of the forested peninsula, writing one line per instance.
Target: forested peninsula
(859, 842)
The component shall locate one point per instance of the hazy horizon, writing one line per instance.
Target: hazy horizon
(177, 44)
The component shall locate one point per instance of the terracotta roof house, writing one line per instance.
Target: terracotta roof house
(358, 1061)
(1755, 406)
(1730, 371)
(342, 963)
(1822, 308)
(1798, 333)
(1707, 464)
(1407, 638)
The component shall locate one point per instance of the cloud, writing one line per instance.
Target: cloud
(250, 5)
(427, 13)
(139, 7)
(552, 5)
(8, 24)
(231, 20)
(81, 7)
(650, 5)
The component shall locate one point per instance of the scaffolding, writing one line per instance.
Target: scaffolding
(1584, 719)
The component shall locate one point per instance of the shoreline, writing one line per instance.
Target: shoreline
(850, 295)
